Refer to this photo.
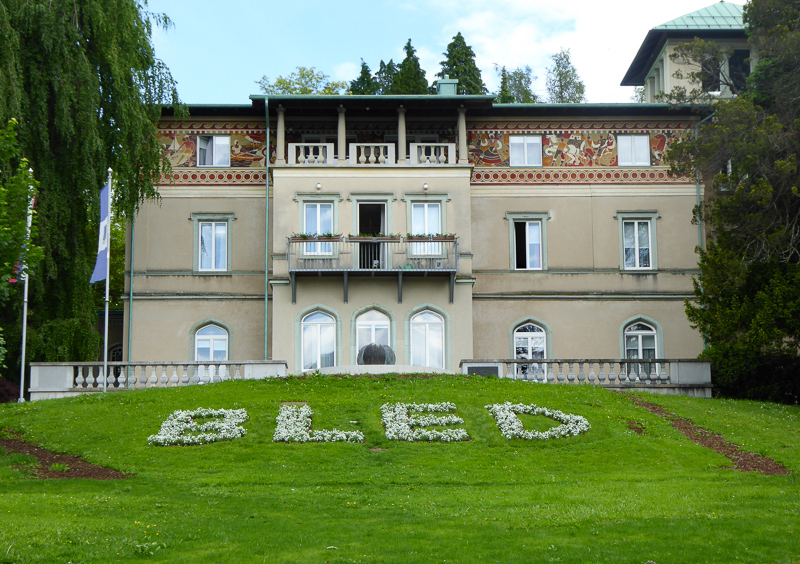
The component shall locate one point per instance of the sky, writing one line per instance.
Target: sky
(217, 51)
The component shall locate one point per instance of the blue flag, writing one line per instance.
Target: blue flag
(101, 265)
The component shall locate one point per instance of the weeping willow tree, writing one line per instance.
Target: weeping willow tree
(82, 79)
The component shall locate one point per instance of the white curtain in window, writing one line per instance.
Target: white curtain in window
(213, 245)
(427, 340)
(319, 221)
(211, 344)
(636, 240)
(372, 327)
(530, 342)
(318, 341)
(534, 244)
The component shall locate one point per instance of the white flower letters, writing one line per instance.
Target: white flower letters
(401, 421)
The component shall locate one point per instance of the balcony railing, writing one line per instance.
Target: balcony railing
(611, 373)
(372, 154)
(57, 379)
(374, 254)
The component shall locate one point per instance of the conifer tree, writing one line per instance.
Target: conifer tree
(365, 84)
(516, 86)
(83, 81)
(410, 78)
(384, 77)
(460, 64)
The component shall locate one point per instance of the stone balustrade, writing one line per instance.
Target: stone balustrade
(59, 379)
(432, 153)
(681, 376)
(372, 154)
(311, 154)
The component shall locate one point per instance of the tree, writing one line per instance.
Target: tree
(365, 84)
(17, 187)
(564, 86)
(460, 64)
(410, 78)
(83, 80)
(385, 77)
(516, 86)
(303, 81)
(747, 296)
(702, 63)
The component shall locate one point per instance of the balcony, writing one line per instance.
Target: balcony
(372, 154)
(373, 256)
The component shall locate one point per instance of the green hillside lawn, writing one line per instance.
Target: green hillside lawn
(609, 495)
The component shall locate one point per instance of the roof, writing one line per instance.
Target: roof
(718, 21)
(433, 106)
(721, 15)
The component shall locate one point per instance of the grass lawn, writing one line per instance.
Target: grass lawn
(609, 495)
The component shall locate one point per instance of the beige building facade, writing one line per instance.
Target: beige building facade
(446, 227)
(490, 231)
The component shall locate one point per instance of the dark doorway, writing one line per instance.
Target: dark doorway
(371, 221)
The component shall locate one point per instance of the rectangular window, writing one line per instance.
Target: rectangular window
(318, 221)
(426, 219)
(739, 68)
(528, 245)
(527, 233)
(213, 245)
(633, 150)
(636, 241)
(525, 150)
(213, 150)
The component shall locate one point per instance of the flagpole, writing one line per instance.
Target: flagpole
(108, 272)
(25, 304)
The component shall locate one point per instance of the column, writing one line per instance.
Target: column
(341, 142)
(463, 156)
(401, 135)
(280, 149)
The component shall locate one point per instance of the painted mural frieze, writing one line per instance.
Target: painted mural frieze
(247, 142)
(569, 144)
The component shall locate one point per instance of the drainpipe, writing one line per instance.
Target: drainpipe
(697, 182)
(130, 302)
(266, 237)
(697, 187)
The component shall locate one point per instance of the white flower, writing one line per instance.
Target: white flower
(176, 428)
(293, 425)
(399, 422)
(511, 427)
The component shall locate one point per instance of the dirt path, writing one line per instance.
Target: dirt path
(742, 461)
(76, 466)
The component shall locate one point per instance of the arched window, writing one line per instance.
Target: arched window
(211, 344)
(372, 327)
(318, 341)
(530, 342)
(427, 340)
(640, 342)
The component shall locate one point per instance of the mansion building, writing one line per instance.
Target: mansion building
(446, 226)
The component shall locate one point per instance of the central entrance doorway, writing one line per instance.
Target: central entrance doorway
(371, 221)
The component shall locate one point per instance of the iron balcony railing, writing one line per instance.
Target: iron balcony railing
(371, 255)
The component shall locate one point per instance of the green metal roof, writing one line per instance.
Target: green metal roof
(721, 15)
(722, 20)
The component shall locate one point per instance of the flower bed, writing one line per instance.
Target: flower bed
(511, 427)
(293, 425)
(399, 422)
(176, 428)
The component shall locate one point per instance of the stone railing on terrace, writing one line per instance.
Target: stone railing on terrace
(311, 154)
(59, 379)
(432, 153)
(372, 154)
(679, 376)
